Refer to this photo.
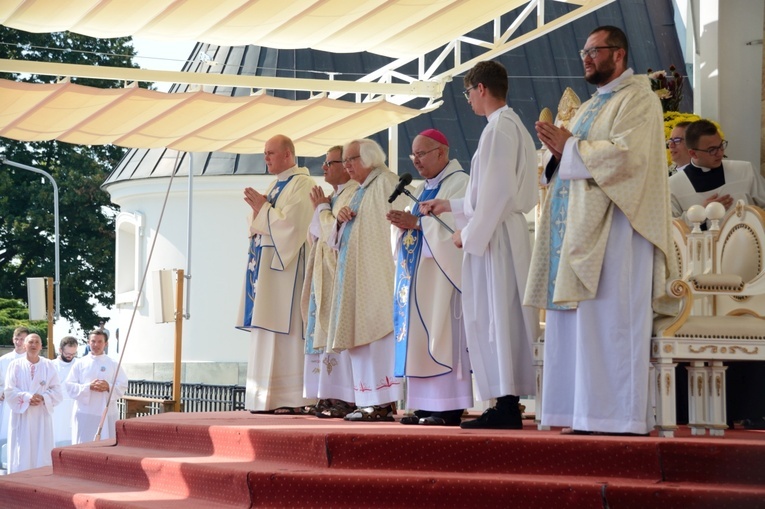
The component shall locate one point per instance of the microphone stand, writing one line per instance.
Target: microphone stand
(431, 214)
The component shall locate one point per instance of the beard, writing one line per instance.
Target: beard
(603, 73)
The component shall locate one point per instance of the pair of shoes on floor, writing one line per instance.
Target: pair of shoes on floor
(282, 410)
(428, 418)
(495, 418)
(374, 413)
(337, 409)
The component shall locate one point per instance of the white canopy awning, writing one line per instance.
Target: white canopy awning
(404, 29)
(395, 28)
(193, 122)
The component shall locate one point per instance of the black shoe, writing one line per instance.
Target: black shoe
(495, 419)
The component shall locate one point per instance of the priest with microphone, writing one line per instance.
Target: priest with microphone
(431, 350)
(360, 320)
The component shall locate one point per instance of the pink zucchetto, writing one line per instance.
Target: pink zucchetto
(435, 134)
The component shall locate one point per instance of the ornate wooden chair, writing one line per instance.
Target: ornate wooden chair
(722, 316)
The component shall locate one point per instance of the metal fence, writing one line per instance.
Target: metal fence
(194, 397)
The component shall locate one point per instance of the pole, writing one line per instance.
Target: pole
(57, 280)
(178, 341)
(49, 293)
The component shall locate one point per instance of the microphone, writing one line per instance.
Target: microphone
(403, 181)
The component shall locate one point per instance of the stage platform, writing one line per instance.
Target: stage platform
(237, 459)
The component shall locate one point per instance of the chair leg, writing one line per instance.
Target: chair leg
(716, 406)
(697, 397)
(666, 418)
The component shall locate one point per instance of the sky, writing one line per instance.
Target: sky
(162, 56)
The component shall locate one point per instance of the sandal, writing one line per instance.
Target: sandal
(337, 410)
(376, 413)
(410, 419)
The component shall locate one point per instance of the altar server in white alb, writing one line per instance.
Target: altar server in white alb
(32, 390)
(431, 350)
(602, 252)
(709, 177)
(19, 334)
(88, 384)
(62, 417)
(494, 237)
(270, 307)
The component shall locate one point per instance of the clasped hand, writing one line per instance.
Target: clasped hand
(99, 386)
(402, 219)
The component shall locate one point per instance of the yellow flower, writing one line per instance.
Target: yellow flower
(672, 118)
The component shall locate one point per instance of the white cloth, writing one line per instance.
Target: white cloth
(329, 376)
(89, 405)
(5, 413)
(597, 356)
(497, 253)
(30, 437)
(452, 390)
(64, 414)
(373, 380)
(741, 183)
(336, 377)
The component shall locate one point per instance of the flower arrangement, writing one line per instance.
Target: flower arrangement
(668, 86)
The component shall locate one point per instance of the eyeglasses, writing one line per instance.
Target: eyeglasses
(421, 154)
(330, 163)
(349, 160)
(593, 52)
(712, 151)
(674, 141)
(466, 92)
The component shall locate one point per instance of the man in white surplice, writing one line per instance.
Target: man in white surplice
(601, 255)
(62, 417)
(275, 270)
(32, 389)
(88, 383)
(431, 350)
(494, 237)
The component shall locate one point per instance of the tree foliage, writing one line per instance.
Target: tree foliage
(86, 228)
(13, 313)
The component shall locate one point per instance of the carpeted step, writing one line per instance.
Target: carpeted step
(40, 489)
(234, 459)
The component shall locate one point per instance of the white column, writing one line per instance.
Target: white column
(728, 71)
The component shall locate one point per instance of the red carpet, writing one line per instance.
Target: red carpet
(235, 459)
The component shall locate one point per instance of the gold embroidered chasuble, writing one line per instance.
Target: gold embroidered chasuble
(321, 266)
(282, 229)
(624, 153)
(362, 300)
(429, 345)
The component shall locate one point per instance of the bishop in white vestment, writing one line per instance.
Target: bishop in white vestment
(431, 349)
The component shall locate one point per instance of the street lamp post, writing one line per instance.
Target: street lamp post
(56, 282)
